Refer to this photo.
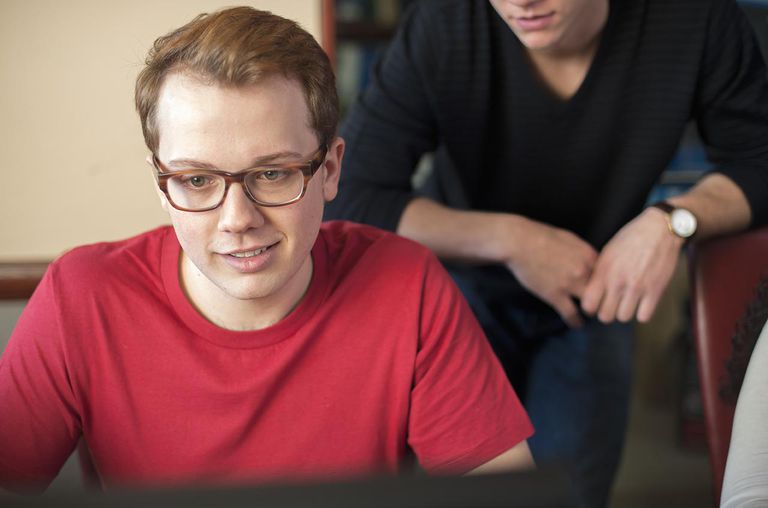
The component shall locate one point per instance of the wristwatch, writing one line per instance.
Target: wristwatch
(681, 222)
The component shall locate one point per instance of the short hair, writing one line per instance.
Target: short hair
(240, 46)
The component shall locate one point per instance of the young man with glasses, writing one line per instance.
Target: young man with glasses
(247, 342)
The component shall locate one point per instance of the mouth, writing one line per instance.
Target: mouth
(534, 21)
(242, 254)
(534, 18)
(530, 17)
(249, 254)
(251, 260)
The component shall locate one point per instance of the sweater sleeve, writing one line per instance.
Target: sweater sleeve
(746, 471)
(390, 127)
(464, 412)
(39, 425)
(732, 105)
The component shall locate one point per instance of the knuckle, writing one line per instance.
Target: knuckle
(580, 272)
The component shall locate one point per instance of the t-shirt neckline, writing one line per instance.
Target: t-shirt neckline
(200, 327)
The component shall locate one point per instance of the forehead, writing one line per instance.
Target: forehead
(194, 114)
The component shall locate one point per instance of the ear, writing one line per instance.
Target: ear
(163, 200)
(333, 169)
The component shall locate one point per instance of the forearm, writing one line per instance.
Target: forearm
(552, 263)
(471, 236)
(719, 205)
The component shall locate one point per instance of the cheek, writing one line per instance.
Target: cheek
(302, 223)
(190, 230)
(316, 202)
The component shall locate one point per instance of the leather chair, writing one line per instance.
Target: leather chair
(724, 275)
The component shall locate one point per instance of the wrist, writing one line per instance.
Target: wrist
(681, 222)
(509, 229)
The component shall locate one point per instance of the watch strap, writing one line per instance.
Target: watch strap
(664, 206)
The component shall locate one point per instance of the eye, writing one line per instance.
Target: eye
(197, 181)
(273, 175)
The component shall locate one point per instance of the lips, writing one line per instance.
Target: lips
(250, 260)
(248, 254)
(535, 21)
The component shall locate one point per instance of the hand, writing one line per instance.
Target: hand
(553, 264)
(633, 270)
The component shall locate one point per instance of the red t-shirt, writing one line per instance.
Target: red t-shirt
(381, 357)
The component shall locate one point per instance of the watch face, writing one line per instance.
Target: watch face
(683, 222)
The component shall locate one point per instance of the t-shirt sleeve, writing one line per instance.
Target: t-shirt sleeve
(731, 107)
(39, 422)
(464, 412)
(746, 472)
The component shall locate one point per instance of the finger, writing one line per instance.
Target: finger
(568, 311)
(647, 307)
(592, 295)
(627, 306)
(607, 311)
(580, 281)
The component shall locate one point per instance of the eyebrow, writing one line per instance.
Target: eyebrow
(184, 163)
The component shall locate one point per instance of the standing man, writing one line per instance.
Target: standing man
(551, 120)
(247, 342)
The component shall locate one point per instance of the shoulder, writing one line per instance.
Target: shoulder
(350, 243)
(449, 9)
(684, 12)
(448, 22)
(130, 260)
(671, 38)
(374, 260)
(461, 17)
(362, 265)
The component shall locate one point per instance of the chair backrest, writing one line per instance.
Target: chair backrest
(724, 275)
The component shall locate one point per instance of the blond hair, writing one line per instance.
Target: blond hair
(240, 46)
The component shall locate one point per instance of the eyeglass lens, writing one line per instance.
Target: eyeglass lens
(197, 191)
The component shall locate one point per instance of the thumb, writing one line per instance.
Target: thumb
(593, 294)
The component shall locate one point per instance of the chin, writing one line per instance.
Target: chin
(248, 289)
(539, 43)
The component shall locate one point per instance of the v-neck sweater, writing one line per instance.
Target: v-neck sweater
(456, 80)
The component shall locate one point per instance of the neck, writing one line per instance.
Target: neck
(231, 313)
(563, 67)
(580, 39)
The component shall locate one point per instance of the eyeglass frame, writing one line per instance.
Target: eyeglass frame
(308, 169)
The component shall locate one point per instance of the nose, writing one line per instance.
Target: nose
(238, 213)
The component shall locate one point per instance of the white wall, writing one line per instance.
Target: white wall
(71, 153)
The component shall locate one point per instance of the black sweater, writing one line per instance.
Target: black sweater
(456, 80)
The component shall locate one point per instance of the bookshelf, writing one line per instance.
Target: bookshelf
(356, 32)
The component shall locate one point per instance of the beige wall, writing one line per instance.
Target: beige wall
(71, 149)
